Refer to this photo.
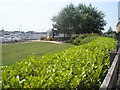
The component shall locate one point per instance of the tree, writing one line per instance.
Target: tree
(109, 30)
(63, 22)
(110, 33)
(79, 19)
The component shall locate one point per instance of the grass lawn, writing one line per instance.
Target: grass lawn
(12, 53)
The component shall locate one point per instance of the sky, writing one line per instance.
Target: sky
(36, 15)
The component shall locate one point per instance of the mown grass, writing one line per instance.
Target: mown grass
(12, 53)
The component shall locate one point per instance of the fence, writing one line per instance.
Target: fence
(110, 80)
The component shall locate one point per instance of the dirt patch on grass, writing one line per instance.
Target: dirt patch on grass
(47, 41)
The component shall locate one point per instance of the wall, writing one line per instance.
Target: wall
(118, 27)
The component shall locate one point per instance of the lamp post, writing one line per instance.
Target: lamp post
(53, 33)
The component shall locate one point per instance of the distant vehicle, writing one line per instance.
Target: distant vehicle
(9, 39)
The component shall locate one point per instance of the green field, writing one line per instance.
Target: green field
(12, 53)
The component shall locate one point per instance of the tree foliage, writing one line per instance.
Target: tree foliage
(110, 33)
(79, 19)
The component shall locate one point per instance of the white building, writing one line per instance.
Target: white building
(15, 36)
(37, 36)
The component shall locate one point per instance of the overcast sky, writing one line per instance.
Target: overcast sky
(35, 15)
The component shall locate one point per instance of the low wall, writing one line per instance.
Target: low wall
(110, 81)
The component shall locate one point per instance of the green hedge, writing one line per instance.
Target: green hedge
(79, 39)
(85, 40)
(81, 66)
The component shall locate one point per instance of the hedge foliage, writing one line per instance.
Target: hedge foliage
(81, 66)
(79, 39)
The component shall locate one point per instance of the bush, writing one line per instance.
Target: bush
(61, 38)
(82, 39)
(49, 38)
(69, 41)
(80, 67)
(78, 39)
(112, 35)
(74, 36)
(87, 39)
(43, 38)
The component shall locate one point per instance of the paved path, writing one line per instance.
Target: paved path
(49, 41)
(35, 41)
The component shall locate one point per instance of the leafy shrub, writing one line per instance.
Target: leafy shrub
(79, 41)
(69, 41)
(61, 38)
(83, 38)
(112, 35)
(81, 66)
(49, 38)
(74, 36)
(88, 39)
(43, 38)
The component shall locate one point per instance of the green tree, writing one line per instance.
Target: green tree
(109, 30)
(79, 19)
(110, 33)
(63, 22)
